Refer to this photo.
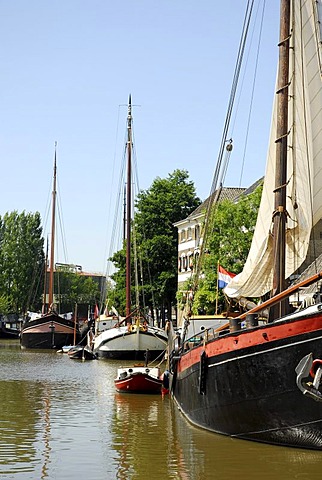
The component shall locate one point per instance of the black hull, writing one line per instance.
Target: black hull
(48, 332)
(129, 355)
(81, 353)
(10, 326)
(250, 392)
(9, 333)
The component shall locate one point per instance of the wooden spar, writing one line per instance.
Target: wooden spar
(124, 214)
(128, 209)
(45, 282)
(52, 245)
(280, 214)
(281, 296)
(75, 323)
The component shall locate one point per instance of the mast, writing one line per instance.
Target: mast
(44, 309)
(52, 246)
(128, 208)
(280, 214)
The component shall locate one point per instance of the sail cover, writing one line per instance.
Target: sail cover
(304, 174)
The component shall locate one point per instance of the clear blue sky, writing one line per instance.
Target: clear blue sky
(68, 65)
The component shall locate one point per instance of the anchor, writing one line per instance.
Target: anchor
(308, 367)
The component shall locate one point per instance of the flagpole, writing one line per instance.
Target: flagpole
(217, 287)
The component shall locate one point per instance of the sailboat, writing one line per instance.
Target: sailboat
(133, 338)
(262, 381)
(49, 330)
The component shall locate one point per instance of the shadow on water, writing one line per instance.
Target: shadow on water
(175, 449)
(62, 418)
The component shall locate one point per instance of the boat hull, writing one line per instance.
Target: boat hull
(49, 331)
(10, 326)
(121, 344)
(81, 353)
(138, 380)
(6, 332)
(244, 384)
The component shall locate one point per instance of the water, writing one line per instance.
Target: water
(62, 419)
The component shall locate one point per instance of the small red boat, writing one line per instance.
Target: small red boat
(138, 379)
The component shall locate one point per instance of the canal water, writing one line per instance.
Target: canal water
(62, 419)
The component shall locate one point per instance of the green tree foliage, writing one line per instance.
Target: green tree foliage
(116, 295)
(21, 259)
(22, 266)
(157, 209)
(5, 304)
(73, 288)
(228, 242)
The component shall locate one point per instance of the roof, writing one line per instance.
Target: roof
(251, 189)
(227, 193)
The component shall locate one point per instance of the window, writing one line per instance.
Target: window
(197, 235)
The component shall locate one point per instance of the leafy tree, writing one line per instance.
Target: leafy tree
(231, 231)
(157, 209)
(73, 288)
(116, 295)
(21, 258)
(5, 304)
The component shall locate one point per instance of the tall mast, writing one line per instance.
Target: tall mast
(44, 304)
(128, 208)
(52, 245)
(280, 214)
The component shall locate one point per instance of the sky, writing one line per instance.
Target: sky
(67, 69)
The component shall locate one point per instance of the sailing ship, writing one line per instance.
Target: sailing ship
(134, 337)
(49, 330)
(262, 381)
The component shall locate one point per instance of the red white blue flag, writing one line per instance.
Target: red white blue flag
(224, 277)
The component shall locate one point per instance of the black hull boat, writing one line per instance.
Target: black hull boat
(247, 384)
(49, 331)
(80, 352)
(260, 378)
(10, 326)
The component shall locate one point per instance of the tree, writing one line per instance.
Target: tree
(21, 259)
(5, 304)
(73, 288)
(231, 231)
(157, 209)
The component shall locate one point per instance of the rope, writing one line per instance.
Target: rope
(222, 162)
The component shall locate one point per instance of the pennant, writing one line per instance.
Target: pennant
(224, 277)
(96, 312)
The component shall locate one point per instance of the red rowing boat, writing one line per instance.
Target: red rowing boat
(138, 379)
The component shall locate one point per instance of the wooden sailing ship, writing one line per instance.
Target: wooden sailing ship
(132, 337)
(262, 382)
(49, 330)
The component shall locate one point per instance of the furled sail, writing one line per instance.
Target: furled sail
(304, 174)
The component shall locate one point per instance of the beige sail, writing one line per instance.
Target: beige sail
(304, 190)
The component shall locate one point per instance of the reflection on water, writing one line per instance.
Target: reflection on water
(142, 438)
(61, 418)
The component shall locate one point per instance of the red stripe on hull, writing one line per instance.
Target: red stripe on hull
(47, 327)
(251, 338)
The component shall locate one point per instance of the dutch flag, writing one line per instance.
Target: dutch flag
(224, 277)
